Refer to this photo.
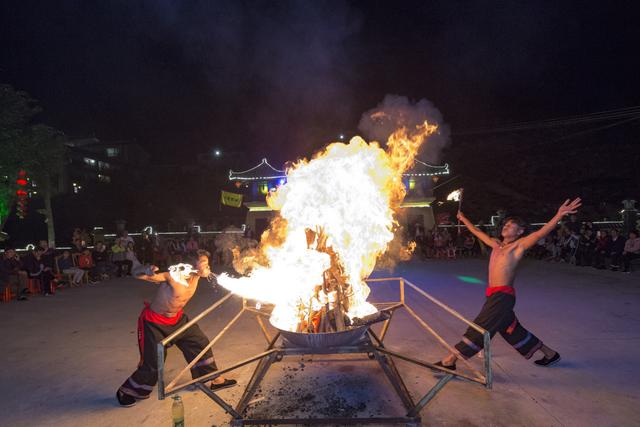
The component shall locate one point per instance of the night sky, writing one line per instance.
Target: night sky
(281, 79)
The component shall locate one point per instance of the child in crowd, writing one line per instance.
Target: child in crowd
(66, 266)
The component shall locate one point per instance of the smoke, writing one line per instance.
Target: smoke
(397, 111)
(285, 66)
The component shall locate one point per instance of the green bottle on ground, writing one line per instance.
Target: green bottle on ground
(177, 412)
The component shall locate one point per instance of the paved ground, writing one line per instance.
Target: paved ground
(64, 357)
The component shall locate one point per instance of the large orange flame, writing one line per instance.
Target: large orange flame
(350, 192)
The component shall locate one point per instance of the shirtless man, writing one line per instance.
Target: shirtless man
(161, 319)
(497, 312)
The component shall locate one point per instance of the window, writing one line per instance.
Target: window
(113, 152)
(103, 165)
(90, 162)
(263, 187)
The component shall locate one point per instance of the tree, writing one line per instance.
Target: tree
(33, 147)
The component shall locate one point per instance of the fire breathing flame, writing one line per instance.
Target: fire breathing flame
(455, 195)
(347, 193)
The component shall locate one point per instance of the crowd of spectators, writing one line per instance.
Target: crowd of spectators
(582, 244)
(440, 242)
(573, 242)
(90, 260)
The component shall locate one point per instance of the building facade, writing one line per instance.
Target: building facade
(257, 182)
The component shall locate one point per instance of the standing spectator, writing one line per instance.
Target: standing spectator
(573, 225)
(586, 247)
(48, 256)
(76, 238)
(631, 250)
(119, 257)
(616, 249)
(127, 239)
(146, 249)
(191, 247)
(36, 269)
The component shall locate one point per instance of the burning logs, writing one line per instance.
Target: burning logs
(328, 307)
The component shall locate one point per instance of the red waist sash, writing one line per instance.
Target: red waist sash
(151, 316)
(510, 290)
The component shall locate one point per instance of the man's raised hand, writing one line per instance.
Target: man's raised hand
(570, 207)
(461, 216)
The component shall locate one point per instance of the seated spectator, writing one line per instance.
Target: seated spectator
(119, 257)
(616, 249)
(428, 244)
(49, 254)
(10, 274)
(66, 265)
(103, 268)
(469, 244)
(602, 249)
(554, 246)
(631, 250)
(85, 263)
(36, 269)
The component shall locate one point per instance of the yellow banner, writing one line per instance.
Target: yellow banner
(231, 199)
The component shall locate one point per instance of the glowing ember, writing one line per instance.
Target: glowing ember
(336, 219)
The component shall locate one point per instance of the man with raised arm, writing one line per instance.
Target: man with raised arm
(497, 313)
(159, 320)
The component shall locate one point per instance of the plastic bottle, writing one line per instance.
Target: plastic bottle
(177, 412)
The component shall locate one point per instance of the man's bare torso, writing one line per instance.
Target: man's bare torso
(503, 262)
(172, 296)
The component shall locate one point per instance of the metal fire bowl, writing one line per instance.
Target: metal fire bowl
(325, 339)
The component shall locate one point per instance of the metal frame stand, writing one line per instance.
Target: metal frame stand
(371, 344)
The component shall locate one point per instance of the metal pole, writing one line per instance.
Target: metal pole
(488, 370)
(431, 366)
(204, 350)
(171, 337)
(218, 400)
(263, 328)
(216, 374)
(430, 395)
(426, 326)
(445, 307)
(160, 351)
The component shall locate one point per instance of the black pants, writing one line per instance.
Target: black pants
(191, 343)
(497, 316)
(626, 259)
(124, 267)
(45, 278)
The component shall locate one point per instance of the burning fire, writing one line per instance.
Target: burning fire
(455, 195)
(336, 219)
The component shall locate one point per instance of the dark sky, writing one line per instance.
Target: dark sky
(281, 78)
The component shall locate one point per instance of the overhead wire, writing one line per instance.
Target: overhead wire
(621, 113)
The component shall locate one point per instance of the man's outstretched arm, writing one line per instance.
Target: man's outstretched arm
(476, 232)
(154, 278)
(568, 207)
